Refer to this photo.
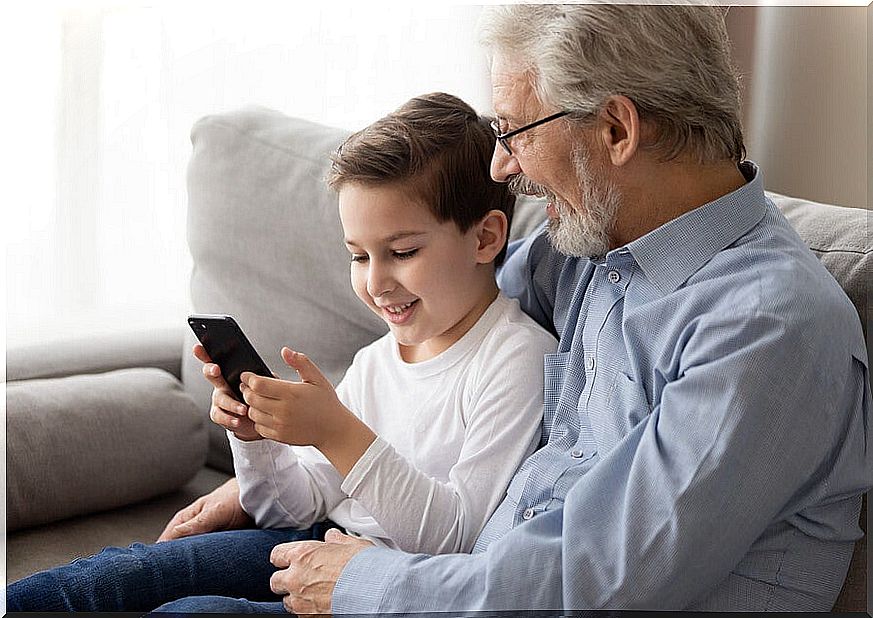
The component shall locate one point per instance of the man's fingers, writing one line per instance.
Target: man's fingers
(309, 571)
(277, 582)
(174, 528)
(335, 536)
(168, 534)
(283, 554)
(195, 525)
(300, 605)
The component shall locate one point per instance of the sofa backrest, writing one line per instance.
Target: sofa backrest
(266, 241)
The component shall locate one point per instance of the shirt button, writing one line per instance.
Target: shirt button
(614, 276)
(589, 363)
(577, 453)
(528, 513)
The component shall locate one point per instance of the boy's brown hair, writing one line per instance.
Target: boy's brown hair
(440, 149)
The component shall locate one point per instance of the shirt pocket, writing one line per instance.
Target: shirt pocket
(625, 406)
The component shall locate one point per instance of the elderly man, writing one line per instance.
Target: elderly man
(706, 414)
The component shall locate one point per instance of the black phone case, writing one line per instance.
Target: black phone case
(228, 347)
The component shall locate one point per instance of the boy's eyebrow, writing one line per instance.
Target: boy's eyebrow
(389, 239)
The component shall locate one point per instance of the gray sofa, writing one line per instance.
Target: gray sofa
(107, 438)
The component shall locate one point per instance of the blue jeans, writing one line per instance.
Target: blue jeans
(234, 563)
(220, 605)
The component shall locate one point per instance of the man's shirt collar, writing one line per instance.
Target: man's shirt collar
(670, 254)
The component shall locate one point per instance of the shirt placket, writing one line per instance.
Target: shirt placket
(607, 289)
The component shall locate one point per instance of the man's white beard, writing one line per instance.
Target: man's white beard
(575, 233)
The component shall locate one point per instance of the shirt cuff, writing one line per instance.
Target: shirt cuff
(248, 452)
(364, 581)
(362, 467)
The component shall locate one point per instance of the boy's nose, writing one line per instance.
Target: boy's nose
(379, 282)
(503, 166)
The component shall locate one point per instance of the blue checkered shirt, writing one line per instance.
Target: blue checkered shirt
(705, 433)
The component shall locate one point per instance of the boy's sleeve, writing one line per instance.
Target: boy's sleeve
(285, 486)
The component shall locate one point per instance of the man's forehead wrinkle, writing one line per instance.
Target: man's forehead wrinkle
(514, 95)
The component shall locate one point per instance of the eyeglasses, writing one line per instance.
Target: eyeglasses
(503, 138)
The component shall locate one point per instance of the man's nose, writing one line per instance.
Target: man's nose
(503, 165)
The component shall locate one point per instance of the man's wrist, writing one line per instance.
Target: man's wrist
(363, 581)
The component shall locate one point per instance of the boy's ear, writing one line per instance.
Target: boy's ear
(491, 233)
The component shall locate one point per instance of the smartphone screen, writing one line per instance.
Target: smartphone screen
(228, 347)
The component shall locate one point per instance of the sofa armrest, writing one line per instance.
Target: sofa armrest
(161, 348)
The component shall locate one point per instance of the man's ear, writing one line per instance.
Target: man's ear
(491, 233)
(619, 128)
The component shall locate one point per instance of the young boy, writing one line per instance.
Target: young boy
(415, 448)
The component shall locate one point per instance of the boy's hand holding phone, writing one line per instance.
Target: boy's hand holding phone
(306, 413)
(225, 410)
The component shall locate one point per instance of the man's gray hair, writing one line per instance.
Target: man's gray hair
(673, 62)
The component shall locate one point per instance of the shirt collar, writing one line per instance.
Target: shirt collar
(671, 253)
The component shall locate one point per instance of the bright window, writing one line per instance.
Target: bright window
(97, 241)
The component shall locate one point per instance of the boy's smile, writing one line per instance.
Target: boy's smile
(398, 314)
(424, 278)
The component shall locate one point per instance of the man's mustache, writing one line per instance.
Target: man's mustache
(522, 185)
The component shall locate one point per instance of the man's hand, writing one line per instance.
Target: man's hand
(310, 570)
(218, 510)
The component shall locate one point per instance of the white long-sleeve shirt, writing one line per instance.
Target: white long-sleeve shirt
(452, 431)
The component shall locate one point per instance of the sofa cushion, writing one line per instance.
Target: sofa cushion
(131, 435)
(267, 246)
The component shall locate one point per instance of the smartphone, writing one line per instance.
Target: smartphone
(228, 347)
